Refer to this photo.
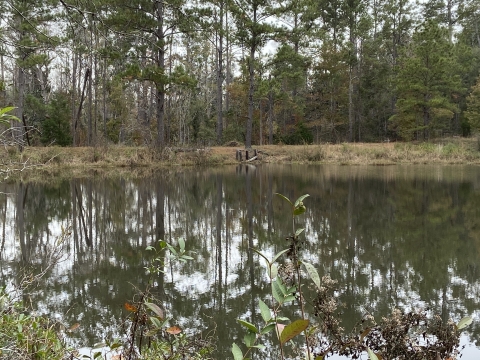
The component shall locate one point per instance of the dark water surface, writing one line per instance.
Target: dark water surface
(397, 236)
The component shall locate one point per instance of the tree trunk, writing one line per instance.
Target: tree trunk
(17, 126)
(260, 123)
(90, 88)
(270, 117)
(74, 88)
(220, 80)
(161, 86)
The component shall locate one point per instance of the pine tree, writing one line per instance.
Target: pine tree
(144, 32)
(426, 85)
(472, 114)
(29, 22)
(253, 29)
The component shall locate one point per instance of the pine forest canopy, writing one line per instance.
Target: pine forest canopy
(185, 72)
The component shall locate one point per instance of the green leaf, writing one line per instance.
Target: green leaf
(289, 298)
(283, 288)
(319, 357)
(155, 308)
(292, 330)
(300, 199)
(5, 118)
(279, 254)
(249, 339)
(273, 271)
(263, 256)
(299, 231)
(237, 352)
(151, 332)
(259, 346)
(248, 325)
(115, 346)
(157, 323)
(299, 210)
(163, 244)
(371, 354)
(277, 292)
(467, 320)
(181, 244)
(284, 197)
(265, 311)
(267, 329)
(6, 109)
(172, 249)
(313, 273)
(291, 290)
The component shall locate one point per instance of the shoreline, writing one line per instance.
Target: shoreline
(65, 160)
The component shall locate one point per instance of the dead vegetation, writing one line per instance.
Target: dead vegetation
(452, 151)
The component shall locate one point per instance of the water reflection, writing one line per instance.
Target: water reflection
(392, 236)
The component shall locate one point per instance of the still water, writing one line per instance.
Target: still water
(396, 236)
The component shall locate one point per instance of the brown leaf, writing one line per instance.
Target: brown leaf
(365, 333)
(130, 307)
(73, 327)
(174, 330)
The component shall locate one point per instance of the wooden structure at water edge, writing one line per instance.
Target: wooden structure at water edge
(248, 152)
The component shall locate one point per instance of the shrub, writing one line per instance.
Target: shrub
(26, 336)
(56, 125)
(301, 135)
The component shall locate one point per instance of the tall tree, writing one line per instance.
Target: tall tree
(426, 85)
(253, 29)
(144, 25)
(292, 60)
(29, 22)
(473, 107)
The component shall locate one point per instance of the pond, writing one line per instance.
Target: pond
(394, 236)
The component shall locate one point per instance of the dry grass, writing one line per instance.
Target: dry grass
(455, 151)
(451, 151)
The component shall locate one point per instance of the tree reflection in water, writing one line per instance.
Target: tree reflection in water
(392, 236)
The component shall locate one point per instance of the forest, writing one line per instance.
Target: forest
(212, 72)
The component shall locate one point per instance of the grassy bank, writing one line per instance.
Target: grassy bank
(451, 151)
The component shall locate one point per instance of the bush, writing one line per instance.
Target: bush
(25, 336)
(302, 135)
(56, 125)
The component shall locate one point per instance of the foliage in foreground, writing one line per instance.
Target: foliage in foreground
(414, 335)
(26, 336)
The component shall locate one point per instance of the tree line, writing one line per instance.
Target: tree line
(177, 72)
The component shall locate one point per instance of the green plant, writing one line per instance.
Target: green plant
(56, 124)
(24, 335)
(281, 294)
(301, 135)
(427, 147)
(450, 149)
(412, 335)
(5, 118)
